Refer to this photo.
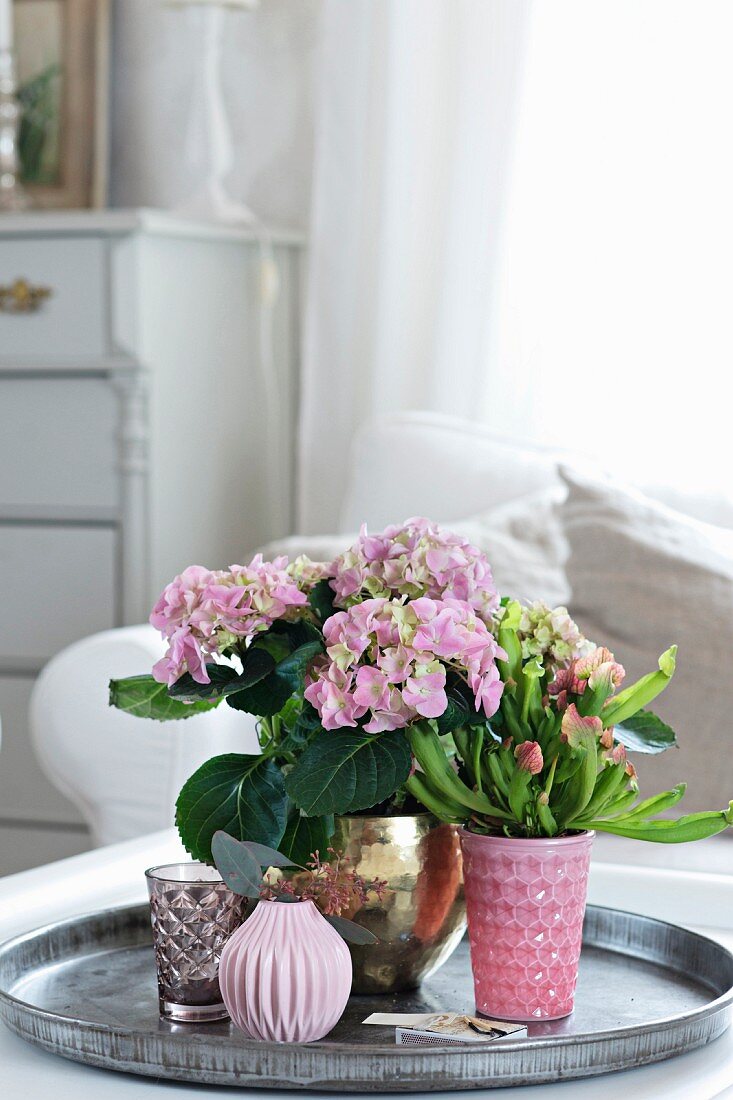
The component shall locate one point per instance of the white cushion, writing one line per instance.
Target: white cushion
(525, 545)
(711, 508)
(427, 464)
(644, 577)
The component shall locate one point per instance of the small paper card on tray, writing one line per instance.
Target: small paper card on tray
(431, 1028)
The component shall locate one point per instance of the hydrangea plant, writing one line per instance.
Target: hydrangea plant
(395, 672)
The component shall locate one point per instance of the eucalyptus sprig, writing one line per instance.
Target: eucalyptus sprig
(329, 884)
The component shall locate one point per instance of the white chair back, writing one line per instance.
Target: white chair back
(123, 773)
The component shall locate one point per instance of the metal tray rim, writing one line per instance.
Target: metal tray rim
(711, 1008)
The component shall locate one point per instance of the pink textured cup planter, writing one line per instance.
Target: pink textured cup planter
(525, 903)
(285, 975)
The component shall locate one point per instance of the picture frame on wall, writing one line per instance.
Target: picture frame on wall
(62, 62)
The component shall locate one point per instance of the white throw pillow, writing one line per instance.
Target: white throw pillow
(525, 545)
(643, 577)
(522, 540)
(429, 464)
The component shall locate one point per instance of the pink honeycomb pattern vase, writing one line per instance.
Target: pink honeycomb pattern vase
(285, 975)
(525, 903)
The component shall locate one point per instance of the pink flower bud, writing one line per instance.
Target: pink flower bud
(616, 755)
(529, 757)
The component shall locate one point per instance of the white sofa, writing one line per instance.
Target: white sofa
(512, 499)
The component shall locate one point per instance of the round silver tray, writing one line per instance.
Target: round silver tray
(85, 989)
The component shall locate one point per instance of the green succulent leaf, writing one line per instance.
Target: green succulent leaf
(645, 732)
(305, 835)
(144, 697)
(270, 693)
(680, 831)
(657, 804)
(509, 641)
(237, 794)
(346, 770)
(638, 695)
(236, 864)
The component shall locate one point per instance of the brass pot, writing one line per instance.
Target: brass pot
(421, 917)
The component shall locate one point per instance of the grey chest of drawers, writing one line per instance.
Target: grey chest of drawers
(146, 415)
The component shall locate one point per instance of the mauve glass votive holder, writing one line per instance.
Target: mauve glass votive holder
(193, 914)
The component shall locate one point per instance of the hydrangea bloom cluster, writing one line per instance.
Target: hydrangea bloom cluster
(388, 661)
(307, 573)
(550, 633)
(203, 612)
(415, 559)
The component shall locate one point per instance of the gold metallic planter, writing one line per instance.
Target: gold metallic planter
(421, 917)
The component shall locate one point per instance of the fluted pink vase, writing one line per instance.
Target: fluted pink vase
(525, 902)
(285, 975)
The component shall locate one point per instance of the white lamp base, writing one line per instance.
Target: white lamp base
(212, 203)
(209, 141)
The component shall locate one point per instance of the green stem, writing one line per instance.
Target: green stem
(633, 698)
(511, 720)
(478, 744)
(438, 805)
(461, 740)
(683, 830)
(580, 790)
(525, 703)
(551, 775)
(264, 727)
(606, 789)
(430, 755)
(656, 805)
(496, 774)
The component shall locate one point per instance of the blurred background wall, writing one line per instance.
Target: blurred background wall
(267, 70)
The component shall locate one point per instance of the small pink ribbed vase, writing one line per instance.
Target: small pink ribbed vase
(525, 902)
(285, 975)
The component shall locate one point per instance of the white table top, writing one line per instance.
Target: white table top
(113, 876)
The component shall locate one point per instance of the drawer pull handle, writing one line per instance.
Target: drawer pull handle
(22, 297)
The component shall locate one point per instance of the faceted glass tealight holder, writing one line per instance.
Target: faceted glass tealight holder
(193, 913)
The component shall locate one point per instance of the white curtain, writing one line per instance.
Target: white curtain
(612, 329)
(414, 119)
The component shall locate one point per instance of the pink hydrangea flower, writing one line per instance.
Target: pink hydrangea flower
(426, 694)
(415, 559)
(185, 654)
(372, 688)
(307, 573)
(388, 661)
(201, 613)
